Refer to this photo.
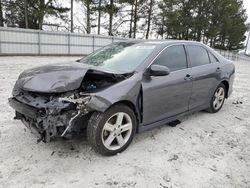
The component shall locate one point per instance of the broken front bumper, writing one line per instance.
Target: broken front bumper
(64, 120)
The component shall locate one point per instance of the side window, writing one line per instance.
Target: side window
(173, 57)
(198, 56)
(213, 59)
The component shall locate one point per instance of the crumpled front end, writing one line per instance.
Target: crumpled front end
(52, 116)
(57, 101)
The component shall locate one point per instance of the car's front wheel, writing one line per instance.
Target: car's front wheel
(111, 132)
(218, 99)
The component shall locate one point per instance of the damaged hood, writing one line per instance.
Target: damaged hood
(55, 78)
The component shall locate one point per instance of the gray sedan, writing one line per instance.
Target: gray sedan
(121, 89)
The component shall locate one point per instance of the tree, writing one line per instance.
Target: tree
(111, 9)
(149, 17)
(36, 11)
(72, 16)
(1, 13)
(26, 14)
(99, 16)
(221, 23)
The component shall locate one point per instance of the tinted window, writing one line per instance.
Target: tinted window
(198, 56)
(173, 57)
(213, 59)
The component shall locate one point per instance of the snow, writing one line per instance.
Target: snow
(205, 150)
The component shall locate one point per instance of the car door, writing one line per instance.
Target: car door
(166, 96)
(205, 73)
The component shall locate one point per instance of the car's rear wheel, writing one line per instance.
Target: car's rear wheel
(111, 132)
(218, 99)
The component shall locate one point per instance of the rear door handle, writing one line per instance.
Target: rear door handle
(188, 77)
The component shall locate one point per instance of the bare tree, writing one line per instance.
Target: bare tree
(72, 16)
(135, 17)
(88, 12)
(149, 17)
(1, 13)
(131, 21)
(111, 14)
(26, 14)
(99, 17)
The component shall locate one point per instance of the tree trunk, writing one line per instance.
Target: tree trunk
(71, 15)
(162, 28)
(99, 17)
(1, 14)
(41, 14)
(88, 28)
(135, 17)
(111, 14)
(131, 21)
(149, 17)
(26, 14)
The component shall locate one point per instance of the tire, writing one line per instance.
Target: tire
(213, 108)
(106, 128)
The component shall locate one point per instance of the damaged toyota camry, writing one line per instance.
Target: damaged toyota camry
(121, 89)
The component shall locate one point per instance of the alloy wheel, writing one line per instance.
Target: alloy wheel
(219, 97)
(117, 131)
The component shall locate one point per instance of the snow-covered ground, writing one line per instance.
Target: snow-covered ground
(205, 150)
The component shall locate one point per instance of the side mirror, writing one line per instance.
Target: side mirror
(157, 70)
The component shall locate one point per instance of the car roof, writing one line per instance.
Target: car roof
(161, 42)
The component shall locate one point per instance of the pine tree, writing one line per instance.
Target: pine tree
(36, 11)
(220, 23)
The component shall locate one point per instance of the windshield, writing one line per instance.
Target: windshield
(120, 57)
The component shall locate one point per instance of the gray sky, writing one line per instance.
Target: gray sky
(247, 6)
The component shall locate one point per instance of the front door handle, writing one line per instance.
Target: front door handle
(188, 77)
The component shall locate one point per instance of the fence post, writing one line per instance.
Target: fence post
(68, 43)
(93, 47)
(39, 43)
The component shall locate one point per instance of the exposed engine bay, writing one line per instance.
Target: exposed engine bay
(61, 114)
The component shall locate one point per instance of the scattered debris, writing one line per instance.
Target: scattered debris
(237, 102)
(213, 168)
(74, 181)
(174, 123)
(129, 184)
(164, 186)
(110, 182)
(167, 178)
(152, 136)
(53, 152)
(238, 118)
(174, 158)
(181, 128)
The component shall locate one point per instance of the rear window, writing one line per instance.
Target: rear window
(213, 59)
(198, 56)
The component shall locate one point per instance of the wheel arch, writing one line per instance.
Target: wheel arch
(133, 107)
(226, 84)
